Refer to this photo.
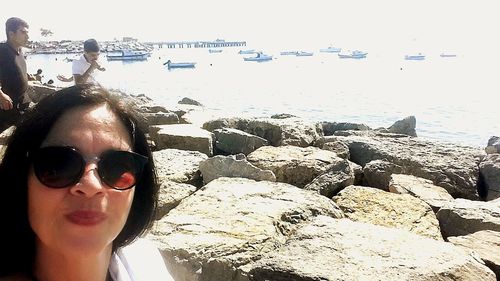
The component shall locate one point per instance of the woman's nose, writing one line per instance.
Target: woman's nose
(90, 183)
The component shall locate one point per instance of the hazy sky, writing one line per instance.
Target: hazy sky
(384, 24)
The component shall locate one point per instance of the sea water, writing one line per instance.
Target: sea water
(453, 99)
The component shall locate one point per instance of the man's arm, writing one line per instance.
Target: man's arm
(82, 78)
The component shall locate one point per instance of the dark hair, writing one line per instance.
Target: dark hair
(13, 24)
(91, 45)
(17, 239)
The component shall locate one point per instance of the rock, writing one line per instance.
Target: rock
(283, 116)
(377, 173)
(184, 137)
(231, 222)
(489, 170)
(5, 135)
(161, 118)
(379, 207)
(37, 91)
(338, 176)
(331, 143)
(235, 141)
(329, 128)
(406, 126)
(358, 173)
(485, 243)
(294, 165)
(451, 166)
(178, 166)
(423, 189)
(463, 217)
(189, 102)
(229, 166)
(2, 151)
(493, 145)
(153, 109)
(330, 249)
(171, 194)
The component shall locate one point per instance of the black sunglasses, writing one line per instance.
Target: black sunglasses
(63, 166)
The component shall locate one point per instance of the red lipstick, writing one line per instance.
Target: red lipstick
(86, 218)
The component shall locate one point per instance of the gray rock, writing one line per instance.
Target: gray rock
(235, 141)
(335, 179)
(485, 243)
(490, 176)
(493, 145)
(294, 165)
(37, 91)
(423, 189)
(329, 128)
(161, 118)
(171, 194)
(406, 126)
(179, 166)
(463, 217)
(332, 143)
(383, 208)
(451, 166)
(189, 101)
(377, 173)
(231, 222)
(360, 251)
(229, 166)
(184, 137)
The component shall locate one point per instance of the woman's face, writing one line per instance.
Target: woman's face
(89, 215)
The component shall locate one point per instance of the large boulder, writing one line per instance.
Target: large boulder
(178, 166)
(489, 180)
(231, 222)
(493, 145)
(184, 137)
(453, 167)
(338, 176)
(423, 189)
(233, 141)
(330, 249)
(377, 173)
(485, 243)
(379, 207)
(329, 128)
(463, 217)
(294, 165)
(231, 167)
(171, 194)
(161, 118)
(406, 126)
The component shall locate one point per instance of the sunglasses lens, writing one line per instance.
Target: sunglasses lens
(121, 169)
(57, 167)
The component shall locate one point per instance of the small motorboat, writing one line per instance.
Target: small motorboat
(303, 54)
(214, 51)
(171, 64)
(247, 52)
(288, 53)
(415, 57)
(353, 55)
(443, 55)
(260, 57)
(331, 50)
(128, 55)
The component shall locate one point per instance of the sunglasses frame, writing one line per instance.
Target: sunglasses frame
(140, 162)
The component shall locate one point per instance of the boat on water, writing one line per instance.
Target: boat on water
(247, 52)
(331, 50)
(171, 64)
(353, 55)
(304, 54)
(415, 57)
(128, 55)
(288, 53)
(443, 55)
(259, 57)
(214, 51)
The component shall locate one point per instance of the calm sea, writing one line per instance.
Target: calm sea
(453, 99)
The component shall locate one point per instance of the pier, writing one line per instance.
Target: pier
(199, 44)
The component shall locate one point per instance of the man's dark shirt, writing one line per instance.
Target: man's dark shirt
(13, 74)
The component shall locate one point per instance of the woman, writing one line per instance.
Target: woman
(78, 184)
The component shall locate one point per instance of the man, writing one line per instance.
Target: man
(13, 75)
(84, 67)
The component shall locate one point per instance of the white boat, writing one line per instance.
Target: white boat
(353, 55)
(303, 54)
(260, 57)
(288, 53)
(443, 55)
(415, 57)
(128, 55)
(247, 52)
(213, 51)
(331, 50)
(171, 64)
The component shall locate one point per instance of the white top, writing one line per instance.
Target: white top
(80, 65)
(139, 261)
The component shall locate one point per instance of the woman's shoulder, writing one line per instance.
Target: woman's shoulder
(140, 260)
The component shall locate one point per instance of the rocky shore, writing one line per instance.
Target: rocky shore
(72, 47)
(280, 198)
